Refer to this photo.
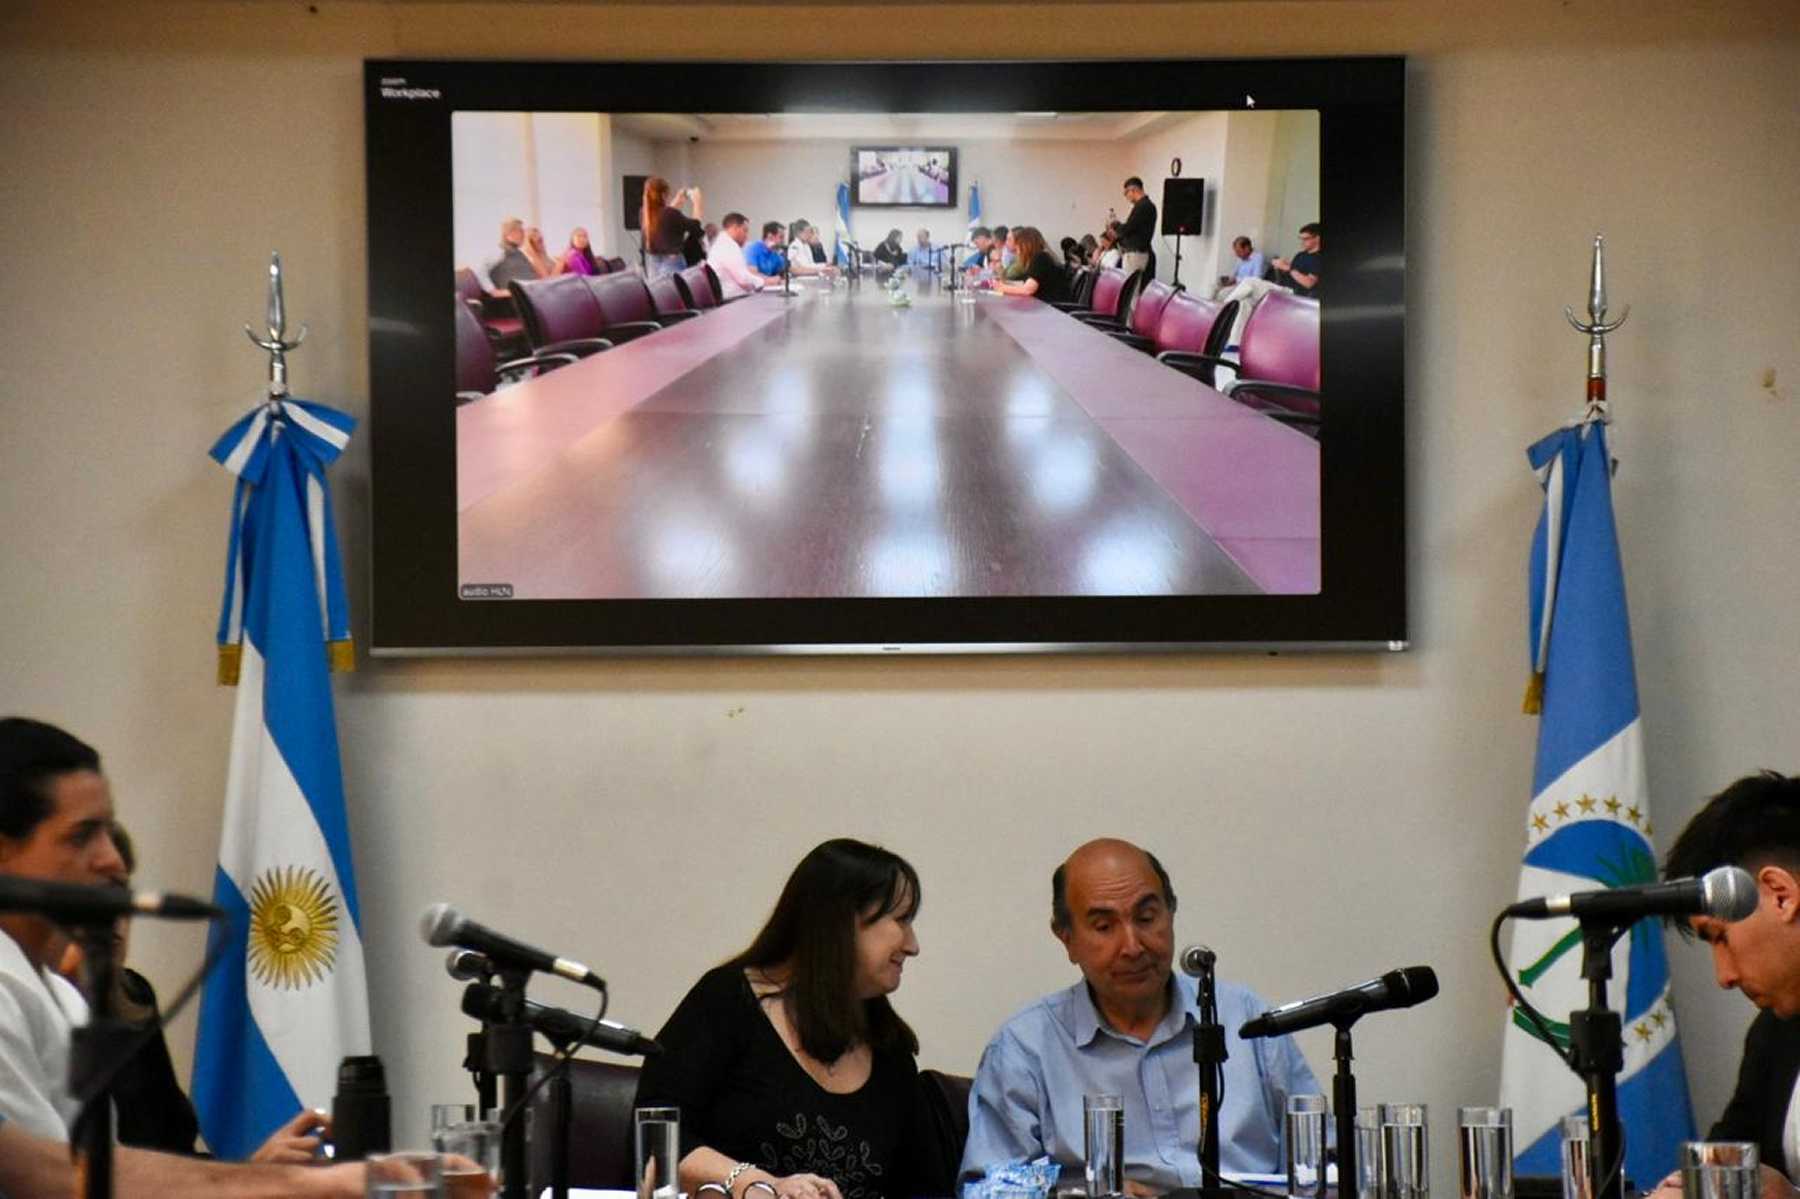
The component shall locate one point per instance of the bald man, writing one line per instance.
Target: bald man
(1126, 1028)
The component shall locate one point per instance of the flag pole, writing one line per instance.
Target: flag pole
(276, 342)
(1596, 327)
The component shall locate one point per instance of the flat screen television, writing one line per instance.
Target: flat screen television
(887, 462)
(903, 176)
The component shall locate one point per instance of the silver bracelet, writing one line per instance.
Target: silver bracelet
(736, 1170)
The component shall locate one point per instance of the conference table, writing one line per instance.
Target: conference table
(834, 443)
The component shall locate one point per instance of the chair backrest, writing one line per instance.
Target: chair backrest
(944, 1131)
(615, 264)
(1147, 313)
(623, 296)
(1187, 323)
(697, 282)
(665, 294)
(1280, 342)
(474, 353)
(559, 308)
(468, 287)
(1109, 285)
(600, 1132)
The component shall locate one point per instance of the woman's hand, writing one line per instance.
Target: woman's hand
(804, 1186)
(296, 1142)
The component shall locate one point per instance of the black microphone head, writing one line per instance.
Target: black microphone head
(465, 965)
(440, 924)
(1197, 960)
(1729, 893)
(1411, 984)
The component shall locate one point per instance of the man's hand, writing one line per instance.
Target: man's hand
(296, 1142)
(1140, 1190)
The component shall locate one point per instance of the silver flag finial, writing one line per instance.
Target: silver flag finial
(1596, 327)
(276, 342)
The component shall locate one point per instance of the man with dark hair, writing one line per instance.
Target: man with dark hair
(56, 825)
(726, 257)
(1126, 1028)
(1301, 272)
(1138, 228)
(765, 256)
(981, 238)
(1755, 824)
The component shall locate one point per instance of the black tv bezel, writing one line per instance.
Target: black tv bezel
(415, 605)
(856, 183)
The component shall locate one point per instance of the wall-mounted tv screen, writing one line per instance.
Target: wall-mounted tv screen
(740, 430)
(903, 176)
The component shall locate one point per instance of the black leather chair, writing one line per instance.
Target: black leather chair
(600, 1148)
(477, 374)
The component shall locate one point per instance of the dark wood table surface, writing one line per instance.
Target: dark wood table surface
(835, 445)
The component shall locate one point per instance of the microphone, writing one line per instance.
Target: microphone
(1197, 960)
(444, 925)
(465, 965)
(484, 1003)
(1395, 989)
(101, 903)
(1727, 893)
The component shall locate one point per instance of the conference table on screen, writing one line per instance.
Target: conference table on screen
(834, 444)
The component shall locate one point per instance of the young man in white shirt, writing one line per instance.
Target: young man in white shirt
(726, 257)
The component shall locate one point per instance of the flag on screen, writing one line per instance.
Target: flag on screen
(840, 250)
(974, 205)
(1588, 826)
(287, 997)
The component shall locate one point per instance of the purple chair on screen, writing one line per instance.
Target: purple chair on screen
(1081, 291)
(560, 315)
(626, 309)
(1278, 361)
(1146, 315)
(669, 299)
(477, 374)
(496, 313)
(700, 286)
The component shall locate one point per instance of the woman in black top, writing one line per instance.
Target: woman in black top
(794, 1075)
(1043, 275)
(666, 228)
(890, 252)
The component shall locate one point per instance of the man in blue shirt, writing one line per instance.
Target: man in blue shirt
(982, 238)
(1127, 1029)
(924, 255)
(765, 257)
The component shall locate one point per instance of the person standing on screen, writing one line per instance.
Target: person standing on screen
(1041, 275)
(666, 228)
(1126, 1028)
(1138, 228)
(726, 257)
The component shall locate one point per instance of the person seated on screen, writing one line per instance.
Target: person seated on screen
(1110, 254)
(816, 244)
(708, 234)
(538, 256)
(1754, 824)
(511, 263)
(1040, 274)
(981, 243)
(1249, 266)
(578, 258)
(923, 256)
(766, 257)
(1071, 252)
(801, 261)
(1090, 248)
(1126, 1027)
(56, 825)
(794, 1075)
(890, 253)
(666, 228)
(726, 257)
(1300, 274)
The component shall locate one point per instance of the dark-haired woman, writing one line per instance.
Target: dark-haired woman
(666, 228)
(1040, 274)
(890, 252)
(794, 1074)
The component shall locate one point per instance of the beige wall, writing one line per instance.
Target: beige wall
(1325, 817)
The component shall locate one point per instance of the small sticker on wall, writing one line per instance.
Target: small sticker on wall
(485, 591)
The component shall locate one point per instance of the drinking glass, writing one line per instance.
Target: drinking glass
(658, 1143)
(1720, 1170)
(1103, 1128)
(419, 1175)
(471, 1150)
(443, 1115)
(1368, 1153)
(1485, 1138)
(1404, 1170)
(1306, 1146)
(1577, 1159)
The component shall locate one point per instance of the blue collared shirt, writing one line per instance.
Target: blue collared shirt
(1027, 1096)
(764, 259)
(1249, 268)
(922, 257)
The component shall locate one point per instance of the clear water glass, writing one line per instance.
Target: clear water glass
(443, 1115)
(1720, 1170)
(471, 1152)
(1368, 1152)
(416, 1175)
(1404, 1163)
(1484, 1136)
(1306, 1146)
(658, 1145)
(1103, 1137)
(1577, 1159)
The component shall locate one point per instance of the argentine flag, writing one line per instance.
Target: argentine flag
(287, 998)
(974, 205)
(1588, 826)
(840, 249)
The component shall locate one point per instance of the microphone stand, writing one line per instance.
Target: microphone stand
(1343, 1100)
(1597, 1045)
(509, 1056)
(562, 1108)
(1209, 1056)
(94, 1048)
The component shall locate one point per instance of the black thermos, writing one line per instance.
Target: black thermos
(360, 1112)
